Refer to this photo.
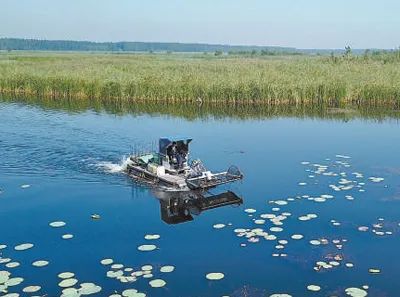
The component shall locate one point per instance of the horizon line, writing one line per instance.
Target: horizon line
(195, 43)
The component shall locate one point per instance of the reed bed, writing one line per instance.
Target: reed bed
(178, 78)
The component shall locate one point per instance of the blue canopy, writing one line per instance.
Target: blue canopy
(164, 142)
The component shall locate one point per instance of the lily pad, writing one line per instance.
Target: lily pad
(147, 247)
(5, 260)
(167, 269)
(4, 276)
(23, 247)
(152, 236)
(117, 266)
(107, 261)
(315, 242)
(250, 210)
(31, 289)
(297, 236)
(374, 271)
(65, 275)
(57, 224)
(129, 293)
(219, 226)
(147, 267)
(89, 289)
(12, 264)
(15, 281)
(313, 288)
(69, 282)
(276, 229)
(157, 283)
(356, 292)
(40, 263)
(215, 276)
(148, 275)
(67, 236)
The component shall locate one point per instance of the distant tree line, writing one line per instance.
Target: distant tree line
(265, 52)
(66, 45)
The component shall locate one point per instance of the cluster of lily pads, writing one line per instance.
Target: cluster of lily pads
(271, 224)
(7, 280)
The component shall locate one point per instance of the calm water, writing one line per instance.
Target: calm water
(67, 159)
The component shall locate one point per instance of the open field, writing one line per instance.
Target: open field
(204, 78)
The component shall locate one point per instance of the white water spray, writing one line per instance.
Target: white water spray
(111, 167)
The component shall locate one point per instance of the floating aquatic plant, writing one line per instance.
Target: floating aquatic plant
(147, 247)
(107, 261)
(219, 226)
(152, 236)
(40, 263)
(376, 179)
(356, 292)
(315, 242)
(147, 267)
(57, 224)
(12, 264)
(167, 269)
(89, 289)
(374, 270)
(215, 276)
(15, 281)
(313, 288)
(23, 247)
(31, 289)
(69, 282)
(66, 275)
(250, 210)
(130, 293)
(5, 260)
(157, 283)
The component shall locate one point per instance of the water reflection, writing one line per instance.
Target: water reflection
(180, 207)
(192, 111)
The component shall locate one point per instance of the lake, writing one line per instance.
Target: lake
(338, 171)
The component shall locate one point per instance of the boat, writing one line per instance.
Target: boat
(170, 167)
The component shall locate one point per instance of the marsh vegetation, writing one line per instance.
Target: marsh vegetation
(372, 78)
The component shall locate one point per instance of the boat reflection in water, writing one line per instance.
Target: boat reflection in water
(180, 207)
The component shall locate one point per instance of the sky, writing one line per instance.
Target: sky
(293, 23)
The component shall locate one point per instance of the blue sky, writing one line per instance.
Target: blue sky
(297, 23)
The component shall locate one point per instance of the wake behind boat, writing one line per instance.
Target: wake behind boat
(170, 167)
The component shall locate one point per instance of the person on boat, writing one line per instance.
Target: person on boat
(172, 152)
(181, 158)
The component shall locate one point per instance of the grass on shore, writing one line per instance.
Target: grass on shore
(199, 77)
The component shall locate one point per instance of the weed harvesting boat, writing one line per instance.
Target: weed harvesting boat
(170, 167)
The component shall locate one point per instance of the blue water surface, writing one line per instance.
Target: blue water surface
(67, 159)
